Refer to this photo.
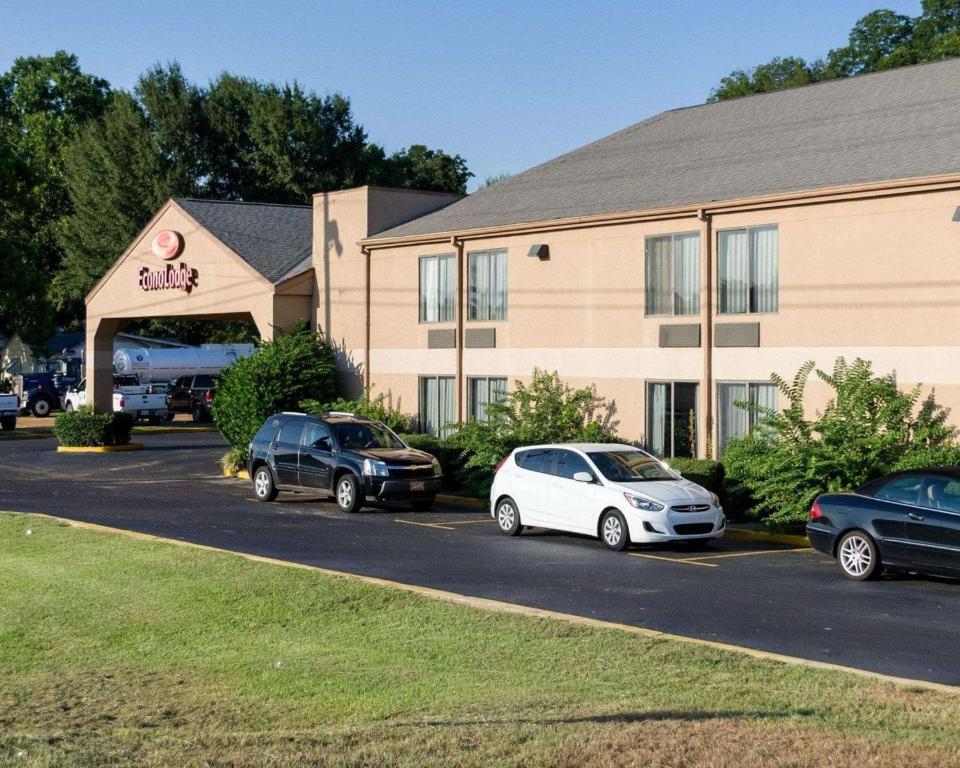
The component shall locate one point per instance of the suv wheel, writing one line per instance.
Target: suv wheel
(349, 497)
(197, 413)
(41, 407)
(263, 486)
(8, 423)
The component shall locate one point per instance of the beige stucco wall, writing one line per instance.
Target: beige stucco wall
(871, 277)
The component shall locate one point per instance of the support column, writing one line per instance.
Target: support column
(99, 362)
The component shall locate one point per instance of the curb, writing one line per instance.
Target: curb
(99, 448)
(746, 534)
(501, 606)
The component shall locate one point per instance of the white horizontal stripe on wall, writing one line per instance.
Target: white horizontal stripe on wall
(913, 365)
(584, 362)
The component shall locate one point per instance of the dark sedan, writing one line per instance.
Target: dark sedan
(350, 457)
(908, 521)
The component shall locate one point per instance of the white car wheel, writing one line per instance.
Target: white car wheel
(613, 531)
(508, 518)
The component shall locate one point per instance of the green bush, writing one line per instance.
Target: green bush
(544, 411)
(296, 368)
(85, 427)
(868, 428)
(449, 456)
(703, 472)
(379, 408)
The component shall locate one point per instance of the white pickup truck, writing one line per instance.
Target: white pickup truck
(139, 401)
(9, 410)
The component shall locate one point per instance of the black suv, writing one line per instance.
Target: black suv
(353, 458)
(192, 394)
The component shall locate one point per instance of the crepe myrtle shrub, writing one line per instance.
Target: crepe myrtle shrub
(544, 411)
(86, 427)
(377, 407)
(295, 368)
(868, 428)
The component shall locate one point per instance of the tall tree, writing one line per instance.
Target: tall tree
(880, 40)
(419, 167)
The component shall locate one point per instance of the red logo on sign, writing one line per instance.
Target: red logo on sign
(167, 245)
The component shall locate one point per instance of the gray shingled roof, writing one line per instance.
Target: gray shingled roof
(273, 239)
(899, 124)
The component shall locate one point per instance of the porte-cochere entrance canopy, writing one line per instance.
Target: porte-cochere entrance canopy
(204, 259)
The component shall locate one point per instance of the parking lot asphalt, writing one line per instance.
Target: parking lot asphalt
(773, 598)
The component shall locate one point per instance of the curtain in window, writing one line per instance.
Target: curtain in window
(447, 406)
(479, 397)
(763, 269)
(428, 290)
(478, 270)
(659, 274)
(658, 396)
(429, 405)
(734, 268)
(764, 396)
(445, 280)
(686, 276)
(498, 285)
(732, 419)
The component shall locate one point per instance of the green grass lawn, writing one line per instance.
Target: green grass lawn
(115, 651)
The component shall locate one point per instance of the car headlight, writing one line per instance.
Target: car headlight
(648, 505)
(715, 499)
(436, 468)
(375, 468)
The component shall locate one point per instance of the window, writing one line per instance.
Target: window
(748, 266)
(672, 418)
(569, 463)
(437, 405)
(203, 382)
(941, 493)
(317, 437)
(736, 421)
(290, 432)
(437, 288)
(673, 274)
(902, 490)
(537, 461)
(480, 392)
(487, 285)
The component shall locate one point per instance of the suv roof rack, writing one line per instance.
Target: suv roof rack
(342, 413)
(292, 413)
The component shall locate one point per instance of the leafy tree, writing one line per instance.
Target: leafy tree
(545, 411)
(868, 428)
(495, 179)
(880, 40)
(296, 368)
(421, 168)
(379, 407)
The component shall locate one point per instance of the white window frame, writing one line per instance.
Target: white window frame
(672, 383)
(484, 312)
(438, 419)
(648, 283)
(752, 284)
(438, 302)
(748, 415)
(473, 381)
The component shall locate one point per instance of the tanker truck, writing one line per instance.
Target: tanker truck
(165, 365)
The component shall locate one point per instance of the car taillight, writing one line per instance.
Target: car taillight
(500, 464)
(208, 396)
(122, 402)
(815, 512)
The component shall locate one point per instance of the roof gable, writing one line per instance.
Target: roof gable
(898, 124)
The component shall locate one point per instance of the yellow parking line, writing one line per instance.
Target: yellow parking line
(744, 554)
(685, 561)
(424, 525)
(465, 522)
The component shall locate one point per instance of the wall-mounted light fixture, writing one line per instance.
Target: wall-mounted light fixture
(542, 251)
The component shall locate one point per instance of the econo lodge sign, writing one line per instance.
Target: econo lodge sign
(167, 245)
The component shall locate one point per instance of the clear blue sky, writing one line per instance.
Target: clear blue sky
(505, 84)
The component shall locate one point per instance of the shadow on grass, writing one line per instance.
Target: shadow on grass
(622, 717)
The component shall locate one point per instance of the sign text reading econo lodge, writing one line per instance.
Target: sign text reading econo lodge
(167, 245)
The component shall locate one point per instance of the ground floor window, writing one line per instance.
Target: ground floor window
(735, 420)
(672, 418)
(481, 391)
(437, 405)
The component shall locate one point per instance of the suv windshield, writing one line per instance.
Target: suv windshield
(354, 435)
(630, 466)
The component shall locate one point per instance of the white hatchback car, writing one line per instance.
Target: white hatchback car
(616, 492)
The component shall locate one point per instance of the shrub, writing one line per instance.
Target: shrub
(703, 472)
(868, 428)
(379, 408)
(85, 427)
(295, 368)
(449, 456)
(544, 411)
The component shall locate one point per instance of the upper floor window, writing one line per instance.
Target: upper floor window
(673, 274)
(748, 266)
(437, 288)
(487, 285)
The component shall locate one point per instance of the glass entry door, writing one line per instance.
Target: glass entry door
(672, 418)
